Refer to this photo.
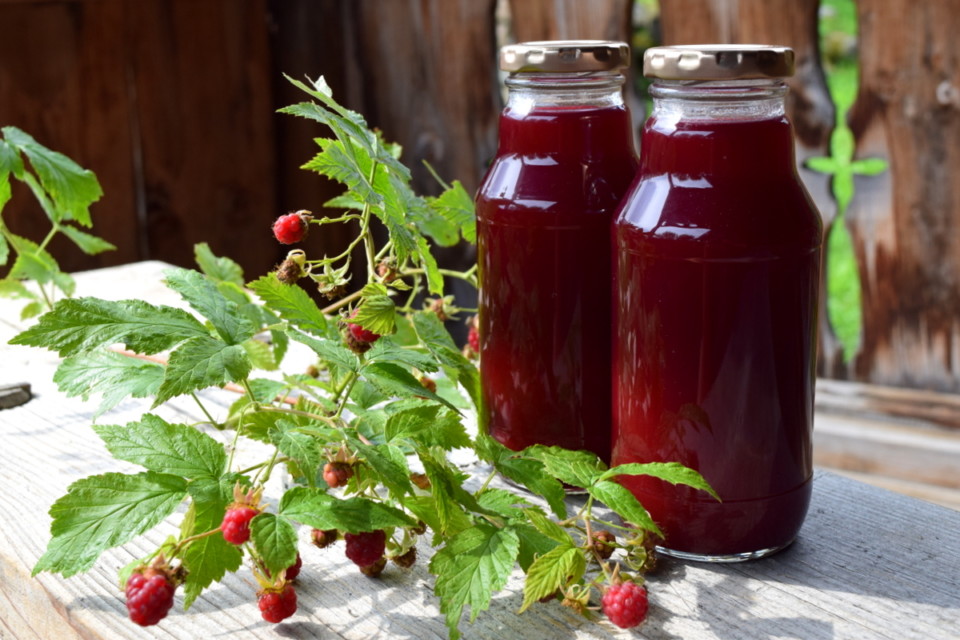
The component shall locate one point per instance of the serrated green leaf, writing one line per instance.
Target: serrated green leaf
(435, 337)
(31, 310)
(299, 447)
(577, 468)
(619, 498)
(548, 527)
(10, 161)
(71, 187)
(84, 324)
(209, 558)
(387, 350)
(14, 289)
(470, 568)
(377, 312)
(427, 426)
(260, 354)
(533, 544)
(115, 376)
(104, 511)
(505, 503)
(32, 263)
(320, 510)
(200, 363)
(672, 472)
(160, 446)
(333, 352)
(456, 205)
(266, 390)
(276, 541)
(389, 462)
(553, 570)
(394, 380)
(347, 163)
(218, 269)
(203, 295)
(4, 247)
(524, 471)
(429, 264)
(291, 303)
(88, 243)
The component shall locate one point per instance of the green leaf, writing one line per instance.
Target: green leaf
(844, 306)
(203, 295)
(83, 324)
(376, 312)
(330, 351)
(88, 243)
(160, 446)
(619, 498)
(386, 350)
(822, 165)
(389, 462)
(672, 472)
(32, 263)
(276, 541)
(100, 512)
(300, 447)
(470, 568)
(394, 380)
(291, 303)
(349, 164)
(10, 162)
(429, 264)
(436, 338)
(317, 509)
(114, 375)
(428, 427)
(533, 544)
(869, 166)
(524, 471)
(4, 247)
(505, 503)
(842, 144)
(577, 468)
(548, 527)
(71, 187)
(31, 310)
(218, 269)
(200, 363)
(456, 205)
(261, 354)
(555, 569)
(209, 558)
(10, 288)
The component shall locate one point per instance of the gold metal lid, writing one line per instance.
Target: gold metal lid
(563, 56)
(718, 62)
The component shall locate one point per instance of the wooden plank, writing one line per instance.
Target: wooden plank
(570, 20)
(201, 80)
(904, 222)
(868, 563)
(63, 80)
(917, 406)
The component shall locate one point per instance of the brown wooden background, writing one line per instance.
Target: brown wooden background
(171, 103)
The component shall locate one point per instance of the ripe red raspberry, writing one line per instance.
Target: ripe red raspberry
(625, 604)
(473, 338)
(337, 474)
(236, 524)
(275, 606)
(292, 227)
(362, 335)
(364, 549)
(323, 539)
(149, 597)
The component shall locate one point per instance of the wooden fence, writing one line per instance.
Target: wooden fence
(171, 103)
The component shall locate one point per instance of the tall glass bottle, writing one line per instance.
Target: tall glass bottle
(716, 298)
(544, 212)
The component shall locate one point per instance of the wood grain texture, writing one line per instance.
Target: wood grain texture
(868, 564)
(906, 221)
(570, 20)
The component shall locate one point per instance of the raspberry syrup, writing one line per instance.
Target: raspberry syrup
(716, 285)
(544, 215)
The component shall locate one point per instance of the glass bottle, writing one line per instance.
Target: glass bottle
(716, 289)
(545, 208)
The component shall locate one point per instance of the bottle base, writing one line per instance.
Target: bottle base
(722, 558)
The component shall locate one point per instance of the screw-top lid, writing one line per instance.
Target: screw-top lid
(562, 56)
(718, 62)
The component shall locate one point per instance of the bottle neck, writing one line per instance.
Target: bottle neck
(756, 99)
(594, 89)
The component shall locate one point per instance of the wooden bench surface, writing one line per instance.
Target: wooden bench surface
(869, 563)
